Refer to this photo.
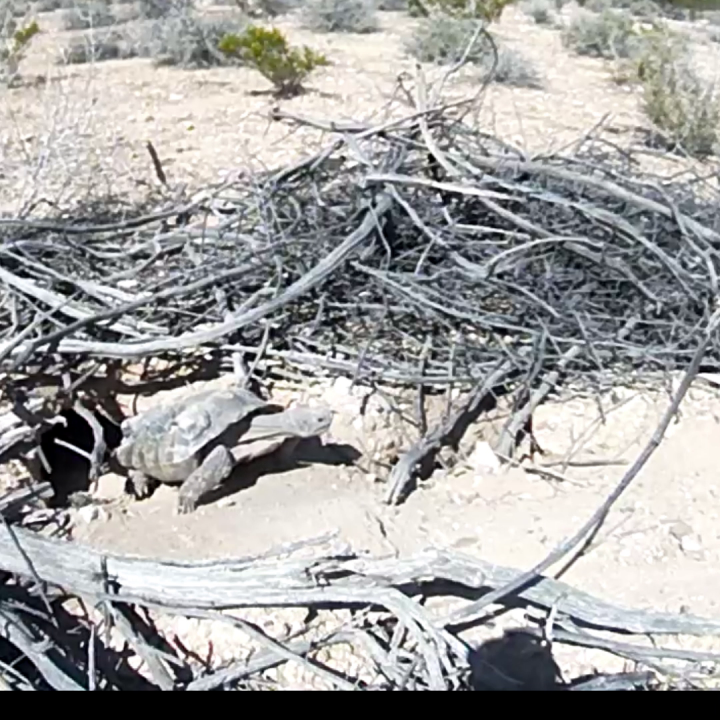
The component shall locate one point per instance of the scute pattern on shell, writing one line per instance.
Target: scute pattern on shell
(171, 434)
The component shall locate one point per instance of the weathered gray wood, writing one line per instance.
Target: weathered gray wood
(272, 582)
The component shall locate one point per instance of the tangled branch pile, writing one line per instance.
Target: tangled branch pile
(419, 253)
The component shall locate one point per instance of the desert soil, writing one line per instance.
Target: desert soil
(660, 546)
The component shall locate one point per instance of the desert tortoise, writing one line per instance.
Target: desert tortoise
(197, 439)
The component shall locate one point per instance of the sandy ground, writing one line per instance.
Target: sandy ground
(660, 546)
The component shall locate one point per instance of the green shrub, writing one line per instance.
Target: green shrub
(355, 16)
(269, 53)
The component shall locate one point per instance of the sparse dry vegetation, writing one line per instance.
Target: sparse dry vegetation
(356, 16)
(488, 10)
(541, 11)
(187, 39)
(683, 108)
(275, 8)
(96, 14)
(443, 39)
(157, 9)
(609, 34)
(111, 45)
(514, 69)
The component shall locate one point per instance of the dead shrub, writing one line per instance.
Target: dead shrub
(89, 15)
(187, 40)
(354, 16)
(609, 34)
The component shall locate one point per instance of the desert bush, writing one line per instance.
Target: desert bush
(262, 8)
(269, 53)
(488, 10)
(443, 39)
(89, 15)
(273, 8)
(87, 50)
(15, 38)
(187, 40)
(514, 69)
(50, 5)
(15, 8)
(356, 16)
(684, 108)
(156, 9)
(541, 11)
(609, 34)
(639, 8)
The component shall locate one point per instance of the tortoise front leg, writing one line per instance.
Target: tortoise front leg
(212, 471)
(140, 484)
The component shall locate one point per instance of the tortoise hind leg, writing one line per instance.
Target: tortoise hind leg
(217, 465)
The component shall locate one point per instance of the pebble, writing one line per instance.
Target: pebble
(89, 513)
(483, 459)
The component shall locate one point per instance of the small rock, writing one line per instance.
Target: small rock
(342, 384)
(89, 513)
(226, 502)
(127, 284)
(483, 459)
(691, 545)
(680, 530)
